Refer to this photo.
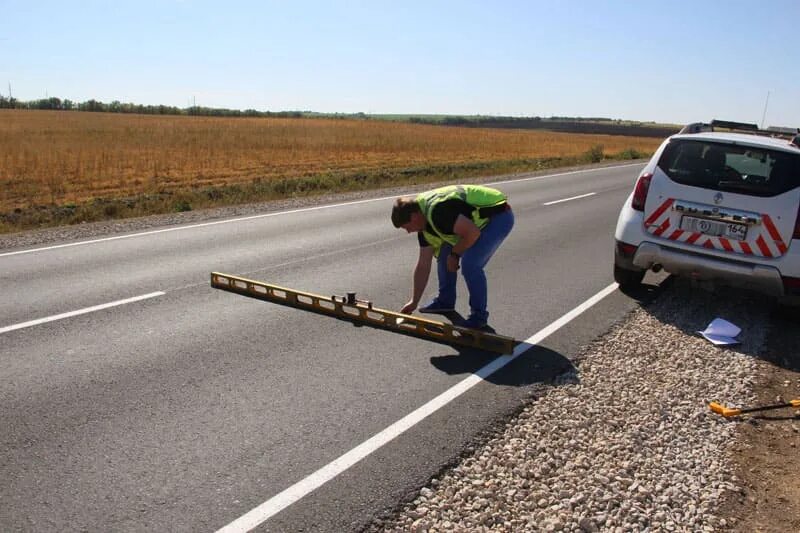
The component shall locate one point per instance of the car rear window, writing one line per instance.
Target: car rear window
(730, 167)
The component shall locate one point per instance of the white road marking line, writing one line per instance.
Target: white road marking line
(277, 213)
(79, 312)
(568, 199)
(533, 178)
(287, 497)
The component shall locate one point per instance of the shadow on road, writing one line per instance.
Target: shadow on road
(690, 309)
(768, 329)
(536, 365)
(783, 343)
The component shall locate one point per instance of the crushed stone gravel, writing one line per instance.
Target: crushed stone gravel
(626, 442)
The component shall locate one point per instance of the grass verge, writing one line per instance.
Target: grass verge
(260, 190)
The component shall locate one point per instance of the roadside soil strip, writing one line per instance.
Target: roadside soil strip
(627, 442)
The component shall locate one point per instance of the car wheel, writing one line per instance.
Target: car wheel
(628, 279)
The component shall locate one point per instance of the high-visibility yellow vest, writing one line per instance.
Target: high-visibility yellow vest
(476, 196)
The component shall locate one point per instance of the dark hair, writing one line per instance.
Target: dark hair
(402, 210)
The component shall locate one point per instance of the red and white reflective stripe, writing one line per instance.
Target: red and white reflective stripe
(773, 232)
(658, 212)
(662, 228)
(768, 244)
(762, 245)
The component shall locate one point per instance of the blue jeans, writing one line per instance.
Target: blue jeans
(472, 263)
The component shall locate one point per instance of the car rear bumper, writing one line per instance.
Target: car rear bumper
(765, 279)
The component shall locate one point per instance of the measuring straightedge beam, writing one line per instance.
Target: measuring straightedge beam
(363, 312)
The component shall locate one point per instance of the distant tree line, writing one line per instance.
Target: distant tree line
(116, 106)
(596, 125)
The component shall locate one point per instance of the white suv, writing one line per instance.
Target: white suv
(717, 202)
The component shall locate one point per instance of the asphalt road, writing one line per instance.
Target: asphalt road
(190, 407)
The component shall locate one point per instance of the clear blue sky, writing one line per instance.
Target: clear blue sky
(668, 61)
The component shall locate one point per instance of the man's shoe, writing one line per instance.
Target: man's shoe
(474, 322)
(435, 306)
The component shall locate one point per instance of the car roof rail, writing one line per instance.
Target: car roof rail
(783, 130)
(743, 127)
(736, 126)
(696, 127)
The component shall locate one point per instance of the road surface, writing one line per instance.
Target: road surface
(136, 397)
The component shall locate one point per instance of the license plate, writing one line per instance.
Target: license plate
(714, 228)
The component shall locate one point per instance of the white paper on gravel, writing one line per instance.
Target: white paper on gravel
(721, 332)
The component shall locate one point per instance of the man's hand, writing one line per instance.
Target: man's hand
(409, 308)
(452, 263)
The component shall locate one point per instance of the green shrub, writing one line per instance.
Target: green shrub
(630, 153)
(182, 206)
(595, 154)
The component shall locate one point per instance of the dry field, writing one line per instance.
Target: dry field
(57, 158)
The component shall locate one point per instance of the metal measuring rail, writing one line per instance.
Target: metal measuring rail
(362, 312)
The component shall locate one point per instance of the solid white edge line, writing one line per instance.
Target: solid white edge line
(568, 199)
(534, 178)
(277, 213)
(287, 497)
(79, 312)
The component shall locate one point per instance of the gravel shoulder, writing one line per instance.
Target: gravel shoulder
(627, 442)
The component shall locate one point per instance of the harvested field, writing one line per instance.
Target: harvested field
(60, 158)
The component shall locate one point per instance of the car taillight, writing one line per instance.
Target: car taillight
(791, 285)
(626, 250)
(640, 192)
(796, 234)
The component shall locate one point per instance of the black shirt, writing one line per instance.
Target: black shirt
(444, 217)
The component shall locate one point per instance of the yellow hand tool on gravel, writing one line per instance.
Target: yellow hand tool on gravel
(730, 411)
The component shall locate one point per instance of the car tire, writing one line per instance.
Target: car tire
(628, 279)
